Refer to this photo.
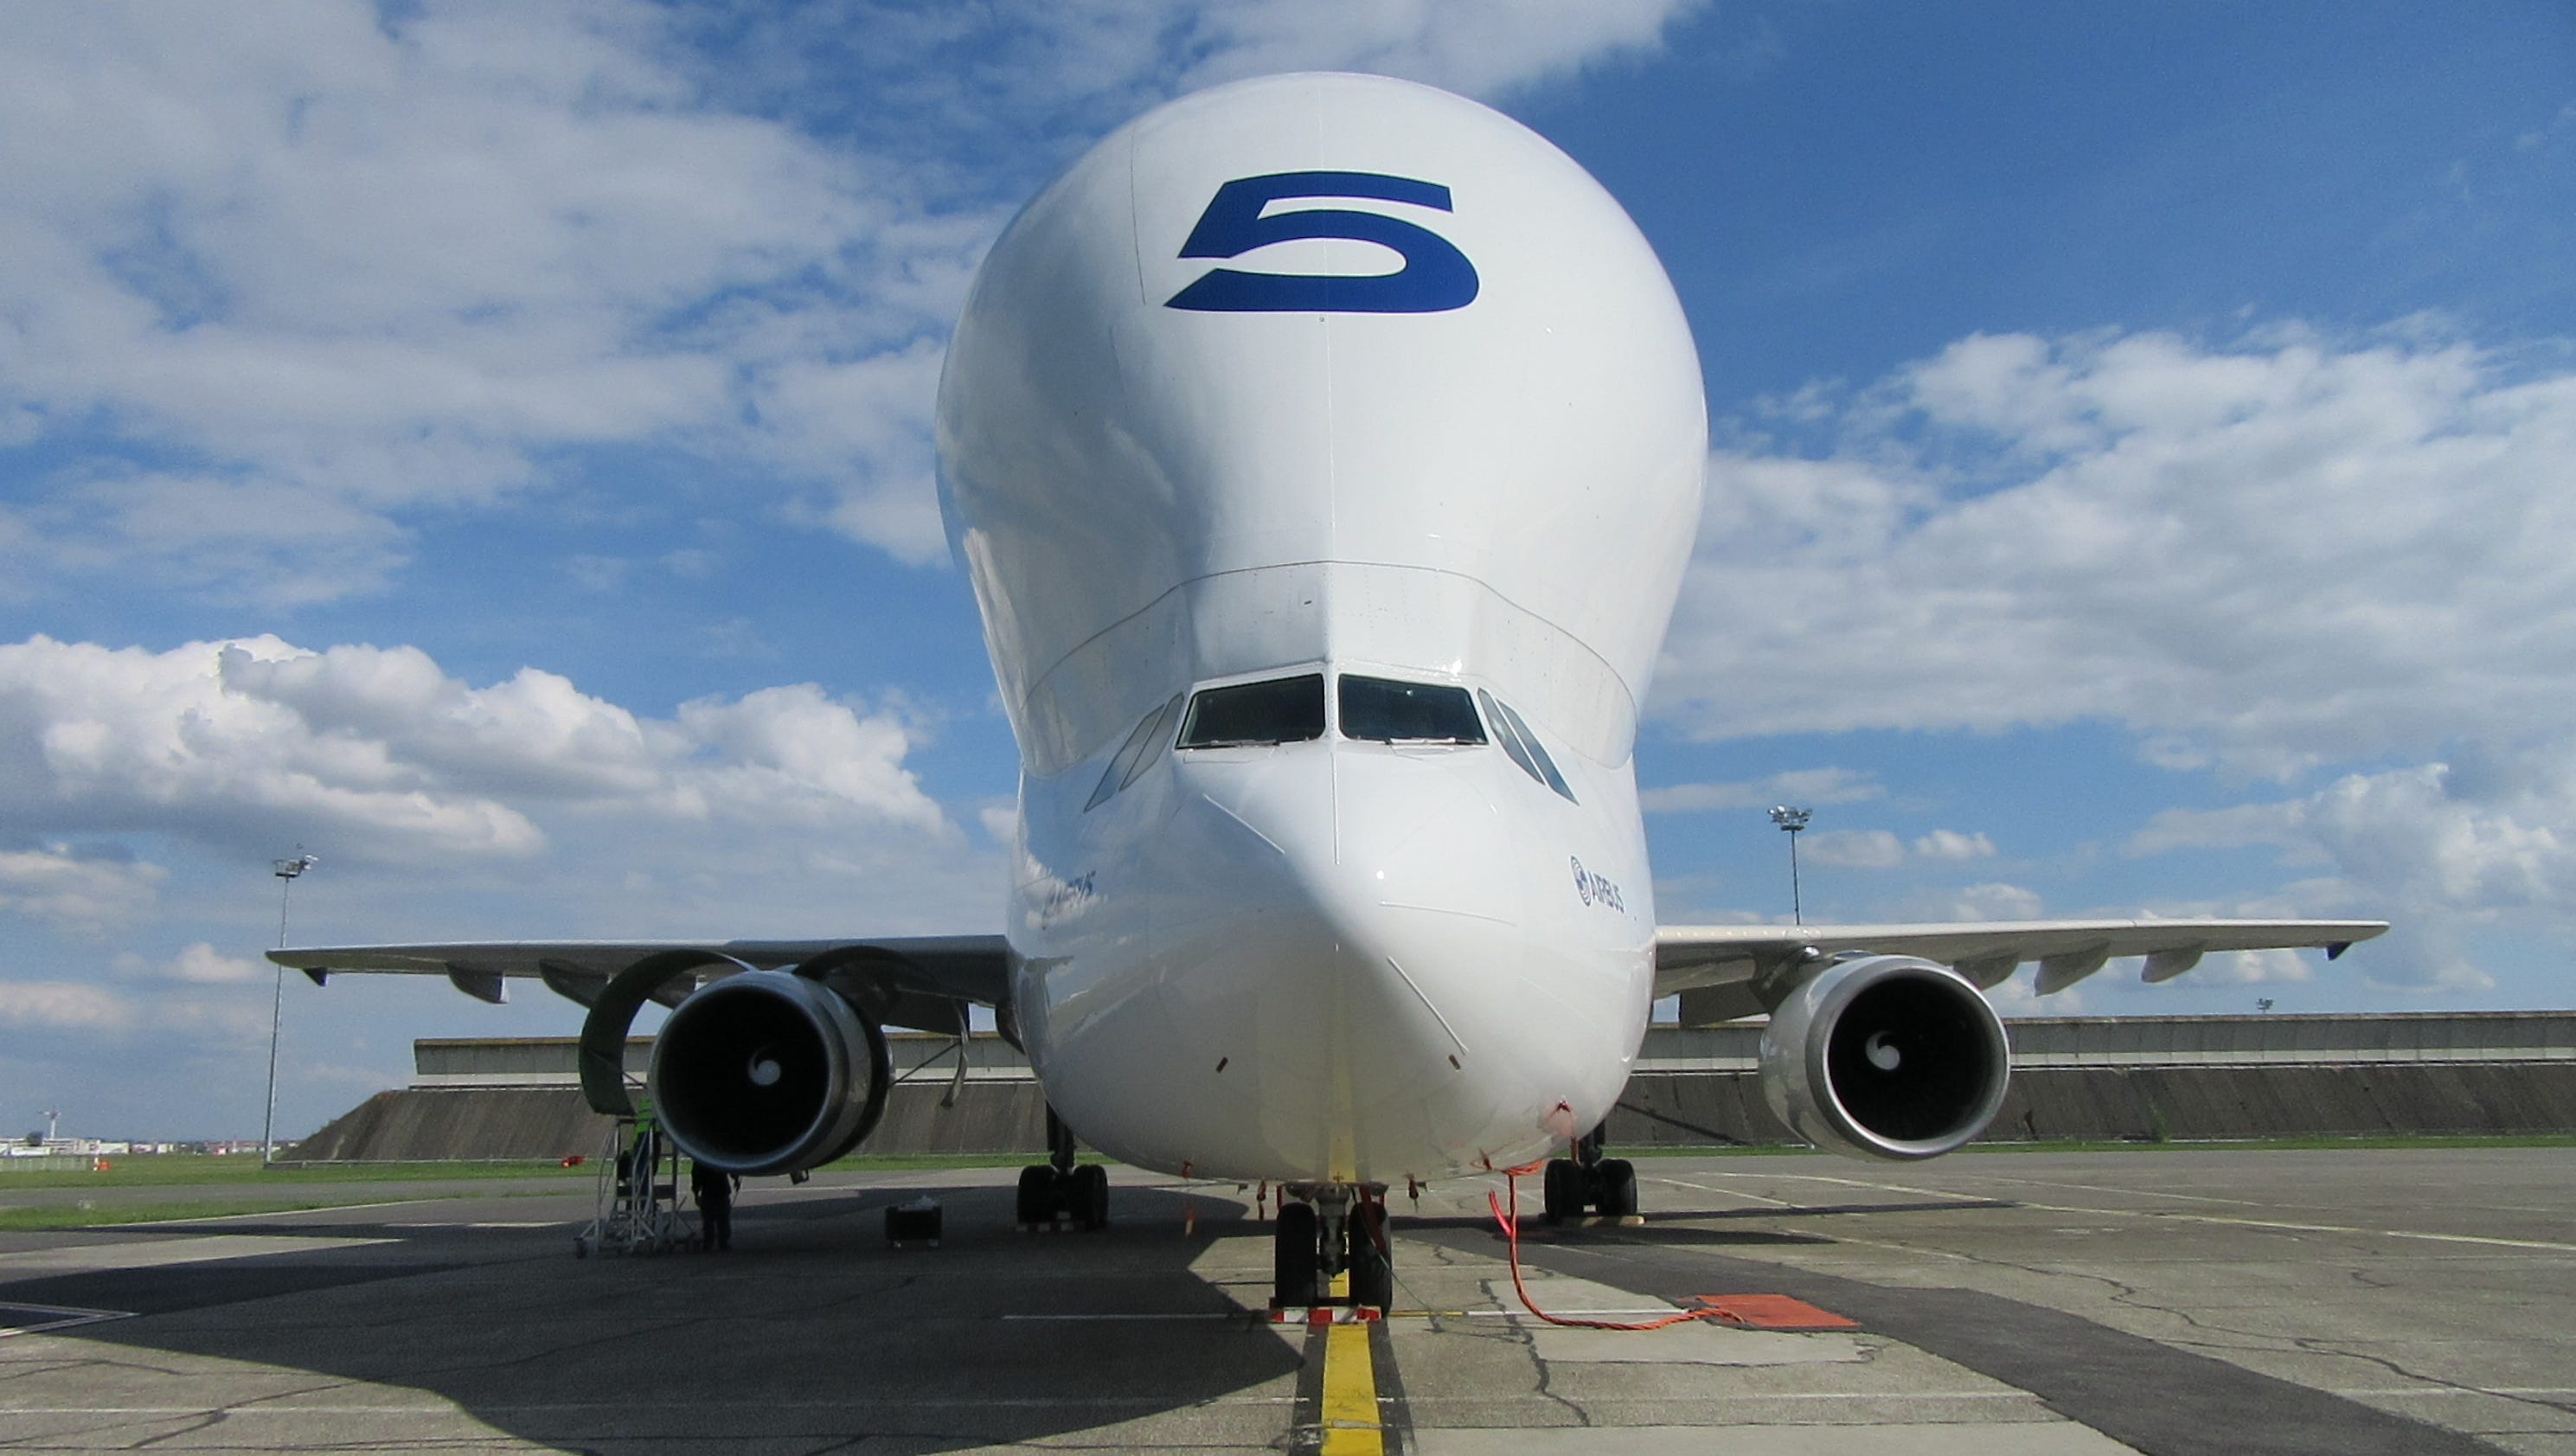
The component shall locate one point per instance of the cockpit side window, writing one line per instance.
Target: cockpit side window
(1388, 711)
(1156, 735)
(1281, 710)
(1523, 745)
(1134, 754)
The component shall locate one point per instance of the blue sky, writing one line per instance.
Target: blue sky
(2140, 479)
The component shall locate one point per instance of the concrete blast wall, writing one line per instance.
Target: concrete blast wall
(425, 1123)
(1660, 1109)
(1699, 1109)
(422, 1123)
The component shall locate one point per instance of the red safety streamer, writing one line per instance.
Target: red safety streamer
(1511, 1222)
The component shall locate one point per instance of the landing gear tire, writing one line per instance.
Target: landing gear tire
(1047, 1195)
(1088, 1191)
(1572, 1190)
(1561, 1191)
(1037, 1198)
(1372, 1270)
(1294, 1261)
(1616, 1179)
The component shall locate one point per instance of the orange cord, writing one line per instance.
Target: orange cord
(1511, 1222)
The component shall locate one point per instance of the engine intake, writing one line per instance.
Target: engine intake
(768, 1072)
(1886, 1057)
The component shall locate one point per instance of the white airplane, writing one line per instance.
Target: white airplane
(1326, 451)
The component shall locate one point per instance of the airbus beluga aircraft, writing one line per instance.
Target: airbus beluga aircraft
(1325, 451)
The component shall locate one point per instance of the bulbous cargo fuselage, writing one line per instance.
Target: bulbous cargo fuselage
(1341, 379)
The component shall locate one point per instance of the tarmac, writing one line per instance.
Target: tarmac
(1998, 1303)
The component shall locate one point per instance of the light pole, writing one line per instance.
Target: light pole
(1792, 820)
(287, 870)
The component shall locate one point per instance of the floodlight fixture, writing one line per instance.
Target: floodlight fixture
(287, 871)
(1792, 818)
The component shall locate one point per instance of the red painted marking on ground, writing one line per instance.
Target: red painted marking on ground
(1771, 1312)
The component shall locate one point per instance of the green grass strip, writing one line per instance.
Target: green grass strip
(163, 1170)
(2301, 1142)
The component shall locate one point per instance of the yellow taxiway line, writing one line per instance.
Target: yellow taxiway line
(1350, 1412)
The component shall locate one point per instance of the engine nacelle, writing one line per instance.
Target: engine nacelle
(1886, 1057)
(768, 1072)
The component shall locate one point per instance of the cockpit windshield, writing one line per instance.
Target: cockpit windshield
(1282, 710)
(1387, 711)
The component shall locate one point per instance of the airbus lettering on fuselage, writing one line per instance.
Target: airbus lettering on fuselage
(1596, 889)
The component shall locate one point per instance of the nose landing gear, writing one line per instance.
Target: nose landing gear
(1325, 1231)
(1589, 1183)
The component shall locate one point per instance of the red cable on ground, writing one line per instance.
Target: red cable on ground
(1511, 1223)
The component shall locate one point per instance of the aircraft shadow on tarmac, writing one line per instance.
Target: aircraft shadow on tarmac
(812, 1326)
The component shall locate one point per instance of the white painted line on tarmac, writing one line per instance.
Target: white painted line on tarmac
(2540, 1392)
(51, 1317)
(160, 1223)
(522, 1224)
(147, 1254)
(484, 1411)
(1944, 1194)
(2111, 1192)
(1649, 1311)
(1909, 1397)
(1722, 1192)
(2177, 1217)
(2312, 1228)
(1095, 1319)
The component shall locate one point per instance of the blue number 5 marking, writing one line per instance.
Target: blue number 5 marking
(1435, 278)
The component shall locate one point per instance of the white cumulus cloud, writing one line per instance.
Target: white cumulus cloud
(75, 891)
(1952, 846)
(1799, 786)
(64, 1006)
(198, 964)
(1868, 849)
(2276, 554)
(381, 754)
(1880, 849)
(2348, 561)
(359, 265)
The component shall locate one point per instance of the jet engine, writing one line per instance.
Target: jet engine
(768, 1072)
(1885, 1056)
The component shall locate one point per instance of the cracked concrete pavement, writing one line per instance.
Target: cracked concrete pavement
(2169, 1301)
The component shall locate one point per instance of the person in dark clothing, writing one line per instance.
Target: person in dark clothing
(713, 1188)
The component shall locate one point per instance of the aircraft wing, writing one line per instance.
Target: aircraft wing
(915, 981)
(1721, 968)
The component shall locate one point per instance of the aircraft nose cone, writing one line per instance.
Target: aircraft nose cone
(1344, 894)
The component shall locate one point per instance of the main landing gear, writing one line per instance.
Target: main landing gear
(1589, 1183)
(1328, 1230)
(1059, 1189)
